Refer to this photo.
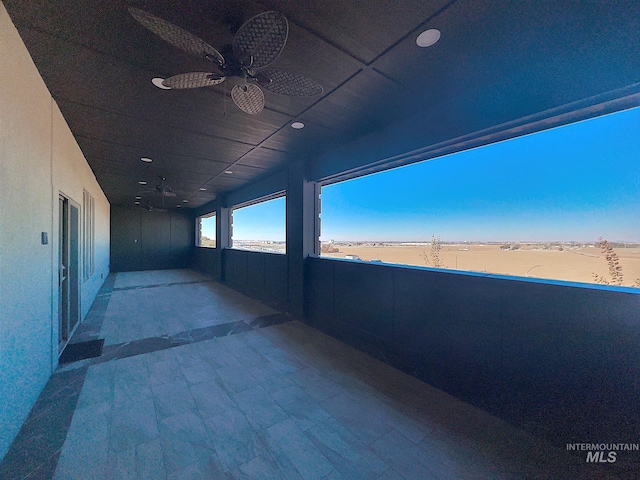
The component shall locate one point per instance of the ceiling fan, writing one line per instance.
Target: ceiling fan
(255, 45)
(162, 190)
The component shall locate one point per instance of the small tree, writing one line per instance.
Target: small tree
(328, 248)
(433, 258)
(615, 269)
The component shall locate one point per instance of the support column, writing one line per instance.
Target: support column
(302, 232)
(223, 238)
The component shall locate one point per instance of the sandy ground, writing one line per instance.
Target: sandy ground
(576, 265)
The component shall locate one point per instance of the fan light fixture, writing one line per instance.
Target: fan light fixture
(158, 82)
(428, 38)
(297, 125)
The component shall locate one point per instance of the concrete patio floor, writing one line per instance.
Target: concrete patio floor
(270, 400)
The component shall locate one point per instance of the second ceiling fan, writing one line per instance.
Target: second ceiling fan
(256, 44)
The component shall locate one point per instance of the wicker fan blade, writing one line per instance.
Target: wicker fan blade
(284, 82)
(249, 98)
(261, 39)
(176, 36)
(193, 80)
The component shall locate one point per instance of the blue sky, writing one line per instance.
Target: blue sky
(263, 221)
(577, 182)
(208, 226)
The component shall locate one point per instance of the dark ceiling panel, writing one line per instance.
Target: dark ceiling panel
(246, 172)
(557, 52)
(264, 158)
(185, 182)
(200, 199)
(121, 182)
(108, 156)
(226, 181)
(496, 62)
(371, 96)
(312, 139)
(341, 22)
(133, 132)
(123, 192)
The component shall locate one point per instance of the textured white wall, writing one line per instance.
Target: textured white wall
(70, 175)
(38, 158)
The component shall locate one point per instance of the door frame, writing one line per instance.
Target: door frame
(69, 285)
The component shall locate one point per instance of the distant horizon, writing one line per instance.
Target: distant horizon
(457, 242)
(461, 242)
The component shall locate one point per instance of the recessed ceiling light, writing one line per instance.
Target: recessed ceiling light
(158, 83)
(138, 198)
(228, 172)
(185, 201)
(142, 182)
(428, 37)
(146, 159)
(202, 189)
(179, 206)
(297, 125)
(137, 203)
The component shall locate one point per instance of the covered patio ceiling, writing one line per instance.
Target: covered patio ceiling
(495, 62)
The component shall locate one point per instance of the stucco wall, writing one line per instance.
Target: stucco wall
(38, 159)
(71, 175)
